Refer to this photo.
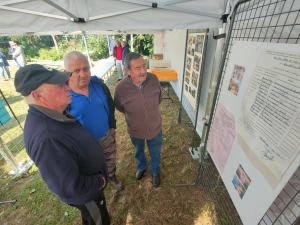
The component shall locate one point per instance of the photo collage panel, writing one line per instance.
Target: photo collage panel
(193, 65)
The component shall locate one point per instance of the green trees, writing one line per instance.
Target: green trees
(55, 47)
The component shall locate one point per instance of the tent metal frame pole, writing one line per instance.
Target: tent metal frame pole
(33, 13)
(221, 69)
(75, 18)
(183, 73)
(211, 91)
(9, 158)
(205, 127)
(86, 48)
(165, 5)
(198, 99)
(199, 89)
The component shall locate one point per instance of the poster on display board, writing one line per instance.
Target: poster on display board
(255, 136)
(194, 55)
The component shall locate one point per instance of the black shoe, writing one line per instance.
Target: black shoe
(119, 79)
(115, 183)
(155, 180)
(139, 174)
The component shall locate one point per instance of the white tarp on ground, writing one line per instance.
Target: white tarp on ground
(28, 17)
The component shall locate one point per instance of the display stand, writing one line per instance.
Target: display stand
(256, 88)
(164, 77)
(165, 86)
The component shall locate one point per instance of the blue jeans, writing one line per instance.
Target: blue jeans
(2, 72)
(154, 147)
(18, 64)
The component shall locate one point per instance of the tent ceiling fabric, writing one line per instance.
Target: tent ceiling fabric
(27, 17)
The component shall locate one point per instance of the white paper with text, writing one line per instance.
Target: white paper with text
(269, 123)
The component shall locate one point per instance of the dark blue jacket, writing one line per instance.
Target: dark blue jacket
(125, 51)
(68, 157)
(2, 55)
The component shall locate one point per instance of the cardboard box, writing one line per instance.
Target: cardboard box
(158, 56)
(159, 64)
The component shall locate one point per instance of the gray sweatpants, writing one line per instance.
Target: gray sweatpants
(108, 144)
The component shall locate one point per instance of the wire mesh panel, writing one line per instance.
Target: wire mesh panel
(13, 155)
(286, 207)
(276, 21)
(216, 194)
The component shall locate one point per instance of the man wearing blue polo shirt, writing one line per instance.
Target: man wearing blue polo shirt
(94, 107)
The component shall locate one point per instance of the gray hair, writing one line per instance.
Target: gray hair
(30, 100)
(74, 55)
(130, 56)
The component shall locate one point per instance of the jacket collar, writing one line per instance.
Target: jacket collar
(65, 117)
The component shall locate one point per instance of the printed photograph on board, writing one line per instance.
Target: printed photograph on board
(195, 78)
(197, 59)
(186, 87)
(187, 76)
(193, 93)
(190, 40)
(236, 79)
(199, 43)
(198, 67)
(189, 50)
(188, 63)
(194, 65)
(241, 181)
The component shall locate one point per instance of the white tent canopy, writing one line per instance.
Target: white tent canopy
(30, 17)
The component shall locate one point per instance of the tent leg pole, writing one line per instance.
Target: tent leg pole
(185, 185)
(86, 47)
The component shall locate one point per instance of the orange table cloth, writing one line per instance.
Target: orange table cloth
(165, 75)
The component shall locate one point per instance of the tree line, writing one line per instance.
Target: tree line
(54, 47)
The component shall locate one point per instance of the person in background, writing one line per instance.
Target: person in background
(125, 51)
(94, 107)
(117, 54)
(112, 44)
(4, 66)
(138, 96)
(11, 51)
(18, 54)
(69, 159)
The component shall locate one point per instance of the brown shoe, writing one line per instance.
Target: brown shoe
(115, 183)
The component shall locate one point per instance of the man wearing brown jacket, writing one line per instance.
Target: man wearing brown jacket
(138, 96)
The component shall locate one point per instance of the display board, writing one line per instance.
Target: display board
(194, 56)
(255, 135)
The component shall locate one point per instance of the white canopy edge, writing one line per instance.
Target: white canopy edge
(43, 17)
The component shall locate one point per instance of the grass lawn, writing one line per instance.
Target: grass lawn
(139, 203)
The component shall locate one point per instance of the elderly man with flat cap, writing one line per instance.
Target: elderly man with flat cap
(70, 160)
